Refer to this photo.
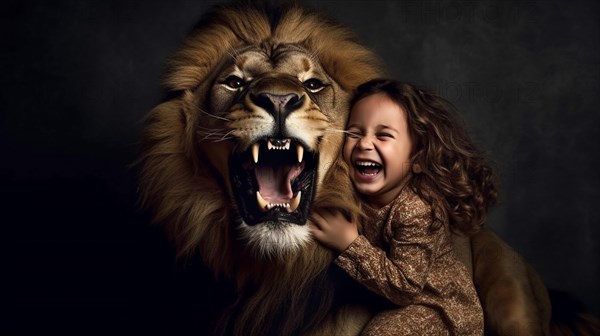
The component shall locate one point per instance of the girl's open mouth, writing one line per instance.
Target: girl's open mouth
(367, 168)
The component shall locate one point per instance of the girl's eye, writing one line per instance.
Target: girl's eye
(352, 134)
(234, 82)
(385, 135)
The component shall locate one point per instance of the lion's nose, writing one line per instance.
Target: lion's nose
(278, 105)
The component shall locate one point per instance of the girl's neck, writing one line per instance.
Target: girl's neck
(384, 199)
(378, 203)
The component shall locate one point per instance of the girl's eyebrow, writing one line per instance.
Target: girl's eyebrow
(381, 127)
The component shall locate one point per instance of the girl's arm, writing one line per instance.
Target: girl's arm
(397, 275)
(333, 230)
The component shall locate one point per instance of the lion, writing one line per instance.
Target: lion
(248, 143)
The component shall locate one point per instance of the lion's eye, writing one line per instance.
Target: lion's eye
(234, 82)
(314, 85)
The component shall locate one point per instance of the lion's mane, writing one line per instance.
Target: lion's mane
(289, 293)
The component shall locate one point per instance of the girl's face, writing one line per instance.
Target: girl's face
(378, 148)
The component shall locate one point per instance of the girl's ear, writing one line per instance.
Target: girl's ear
(416, 168)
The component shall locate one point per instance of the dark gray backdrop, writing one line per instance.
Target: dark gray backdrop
(78, 77)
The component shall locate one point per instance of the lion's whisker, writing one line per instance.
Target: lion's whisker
(210, 131)
(201, 128)
(313, 57)
(227, 135)
(337, 131)
(223, 139)
(217, 139)
(214, 116)
(213, 134)
(330, 130)
(233, 54)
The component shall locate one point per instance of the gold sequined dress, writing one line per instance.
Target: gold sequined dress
(400, 257)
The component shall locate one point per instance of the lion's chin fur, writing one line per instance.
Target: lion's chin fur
(268, 241)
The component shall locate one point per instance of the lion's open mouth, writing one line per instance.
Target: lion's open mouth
(273, 181)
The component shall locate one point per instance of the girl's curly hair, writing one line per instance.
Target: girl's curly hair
(455, 178)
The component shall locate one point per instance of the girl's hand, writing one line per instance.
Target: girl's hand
(333, 230)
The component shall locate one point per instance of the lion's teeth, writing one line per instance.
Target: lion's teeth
(300, 152)
(262, 204)
(265, 206)
(255, 149)
(279, 144)
(294, 202)
(274, 205)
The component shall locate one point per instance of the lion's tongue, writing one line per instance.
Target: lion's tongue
(274, 182)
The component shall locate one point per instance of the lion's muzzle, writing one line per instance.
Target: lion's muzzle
(274, 177)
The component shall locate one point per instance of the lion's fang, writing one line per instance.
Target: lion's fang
(300, 152)
(262, 204)
(255, 149)
(295, 202)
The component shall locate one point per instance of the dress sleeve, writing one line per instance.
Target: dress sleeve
(402, 273)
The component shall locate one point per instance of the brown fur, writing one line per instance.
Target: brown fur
(184, 181)
(514, 299)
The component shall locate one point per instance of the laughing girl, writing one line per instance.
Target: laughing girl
(419, 177)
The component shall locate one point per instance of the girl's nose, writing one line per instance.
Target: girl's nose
(365, 143)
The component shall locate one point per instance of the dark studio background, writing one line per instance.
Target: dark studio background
(78, 77)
